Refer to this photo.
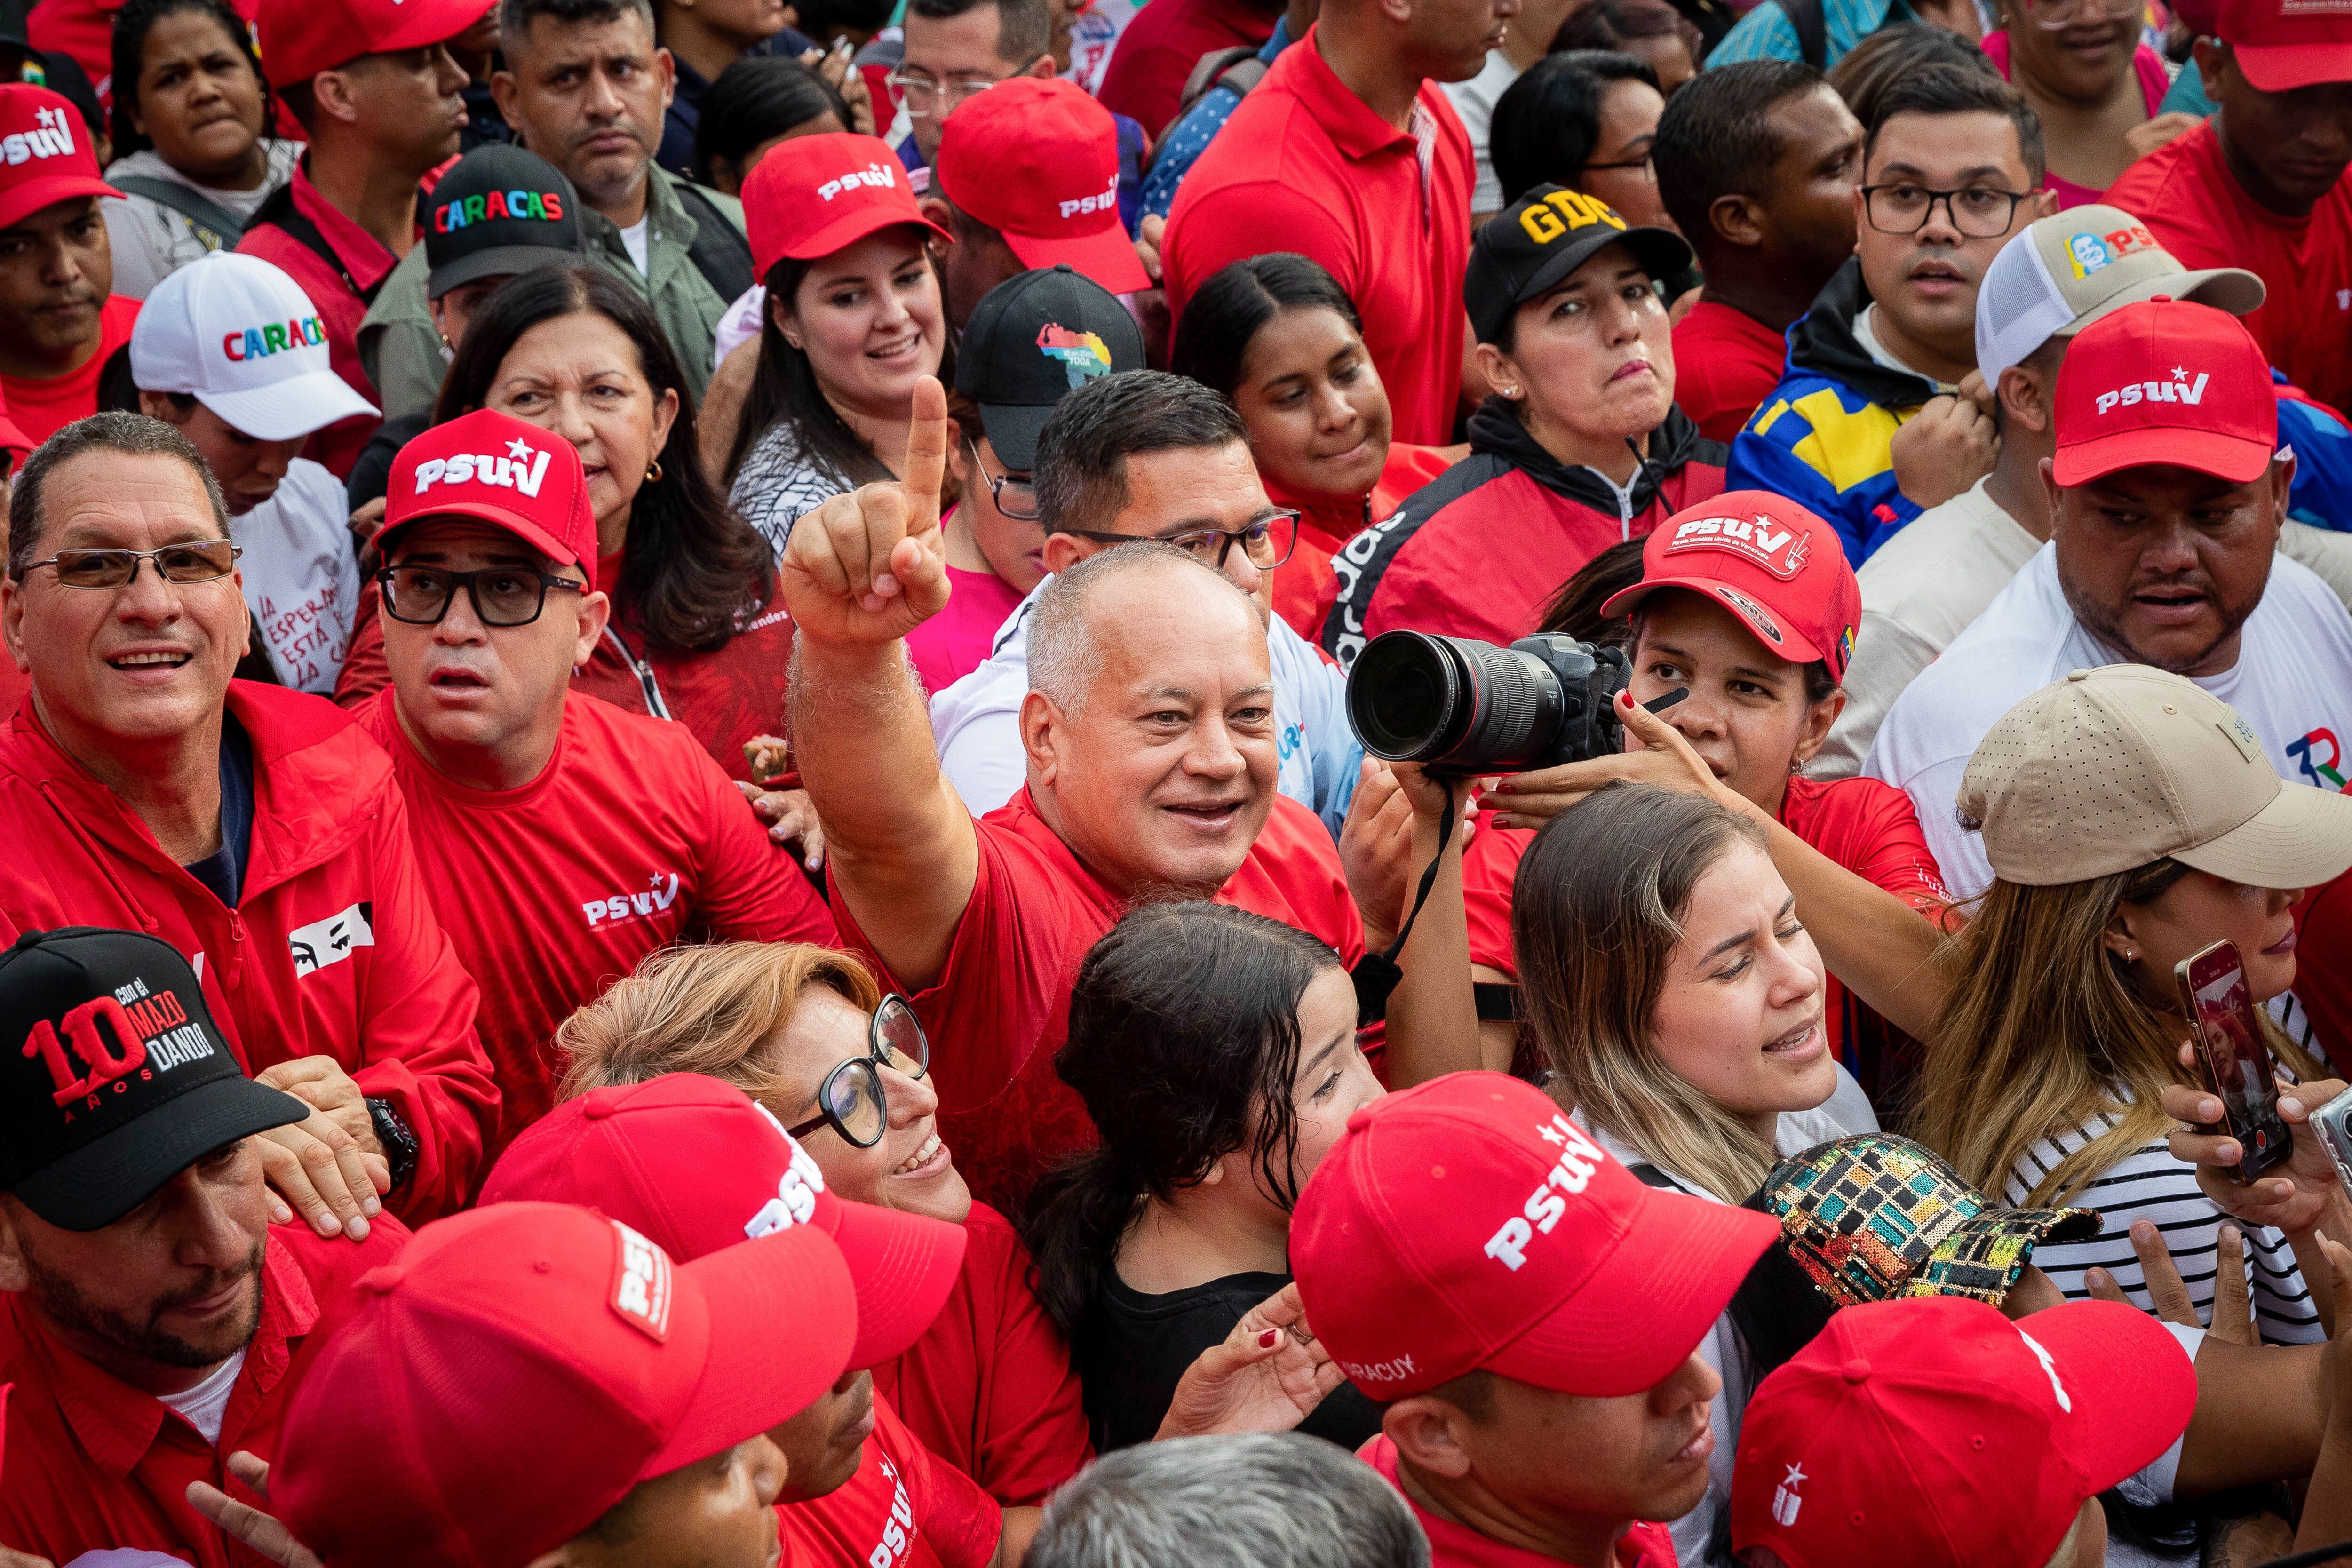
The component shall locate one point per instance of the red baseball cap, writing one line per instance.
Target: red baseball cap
(45, 153)
(2165, 381)
(698, 1165)
(300, 38)
(1037, 161)
(518, 1369)
(1935, 1433)
(494, 467)
(1467, 1224)
(815, 194)
(1781, 570)
(2282, 45)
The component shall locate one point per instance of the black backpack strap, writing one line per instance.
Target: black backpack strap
(1812, 31)
(719, 251)
(215, 225)
(279, 209)
(1649, 1175)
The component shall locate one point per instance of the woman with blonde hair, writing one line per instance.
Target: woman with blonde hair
(808, 1032)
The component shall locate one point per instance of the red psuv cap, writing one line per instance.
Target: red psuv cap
(1038, 162)
(1935, 1433)
(300, 38)
(1467, 1224)
(45, 153)
(813, 196)
(494, 467)
(2282, 45)
(1781, 570)
(2165, 381)
(698, 1164)
(518, 1369)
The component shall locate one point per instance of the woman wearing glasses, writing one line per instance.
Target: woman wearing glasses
(807, 1032)
(2082, 66)
(1584, 119)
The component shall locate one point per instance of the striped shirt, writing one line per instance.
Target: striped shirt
(2150, 1185)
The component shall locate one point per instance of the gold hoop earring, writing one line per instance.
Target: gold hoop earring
(653, 472)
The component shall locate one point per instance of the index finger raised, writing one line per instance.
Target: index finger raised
(927, 456)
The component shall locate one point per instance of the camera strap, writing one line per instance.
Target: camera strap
(1376, 974)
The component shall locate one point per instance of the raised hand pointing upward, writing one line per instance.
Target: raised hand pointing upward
(867, 568)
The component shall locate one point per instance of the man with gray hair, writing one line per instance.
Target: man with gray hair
(1150, 749)
(255, 829)
(1243, 1501)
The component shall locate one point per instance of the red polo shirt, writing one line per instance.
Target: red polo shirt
(94, 1463)
(1452, 1545)
(1725, 363)
(2187, 198)
(1306, 165)
(1001, 1008)
(1158, 50)
(903, 1508)
(341, 290)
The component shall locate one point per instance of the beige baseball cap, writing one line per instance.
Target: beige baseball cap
(2063, 272)
(2114, 768)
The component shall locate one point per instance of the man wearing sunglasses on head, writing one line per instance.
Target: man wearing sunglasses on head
(562, 838)
(251, 828)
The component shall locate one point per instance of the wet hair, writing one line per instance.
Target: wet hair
(1890, 54)
(695, 573)
(132, 24)
(756, 99)
(1222, 318)
(132, 436)
(1081, 465)
(1024, 28)
(1184, 1045)
(1716, 137)
(1548, 123)
(1610, 24)
(1957, 89)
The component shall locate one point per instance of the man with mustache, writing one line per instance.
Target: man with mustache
(149, 1306)
(59, 326)
(1878, 414)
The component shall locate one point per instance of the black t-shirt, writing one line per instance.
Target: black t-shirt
(1135, 1348)
(223, 871)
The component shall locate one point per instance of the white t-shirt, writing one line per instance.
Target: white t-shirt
(741, 324)
(1474, 101)
(205, 1406)
(632, 241)
(2293, 682)
(976, 722)
(301, 575)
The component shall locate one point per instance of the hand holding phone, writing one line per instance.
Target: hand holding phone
(2236, 1063)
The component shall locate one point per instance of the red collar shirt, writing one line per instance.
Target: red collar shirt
(1306, 165)
(2185, 195)
(904, 1508)
(94, 1463)
(342, 290)
(1727, 363)
(999, 1009)
(630, 840)
(43, 407)
(1452, 1545)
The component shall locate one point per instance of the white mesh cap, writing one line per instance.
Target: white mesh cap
(2061, 273)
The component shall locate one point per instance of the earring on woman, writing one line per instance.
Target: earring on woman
(653, 472)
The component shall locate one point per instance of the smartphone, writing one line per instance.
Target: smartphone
(2237, 1063)
(2333, 1123)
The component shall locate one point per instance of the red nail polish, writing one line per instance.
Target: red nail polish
(1266, 1342)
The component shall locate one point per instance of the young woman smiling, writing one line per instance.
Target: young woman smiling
(2096, 86)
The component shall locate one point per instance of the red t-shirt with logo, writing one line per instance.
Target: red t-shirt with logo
(999, 1009)
(42, 408)
(1451, 1544)
(904, 1508)
(1727, 363)
(629, 841)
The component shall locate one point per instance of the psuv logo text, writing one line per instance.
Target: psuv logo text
(2179, 389)
(657, 898)
(1579, 1158)
(898, 1529)
(881, 176)
(1106, 200)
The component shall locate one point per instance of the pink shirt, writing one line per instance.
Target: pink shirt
(952, 644)
(2153, 85)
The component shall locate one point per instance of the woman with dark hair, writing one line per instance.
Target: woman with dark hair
(1216, 1053)
(698, 631)
(194, 155)
(1279, 337)
(854, 319)
(1584, 120)
(756, 103)
(1650, 30)
(2095, 85)
(1892, 54)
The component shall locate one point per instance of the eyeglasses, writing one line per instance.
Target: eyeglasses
(1268, 543)
(1017, 494)
(851, 1100)
(502, 596)
(922, 94)
(1646, 162)
(2052, 14)
(1902, 208)
(205, 560)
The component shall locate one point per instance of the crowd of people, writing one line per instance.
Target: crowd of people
(772, 806)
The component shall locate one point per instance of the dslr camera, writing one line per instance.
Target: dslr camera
(1465, 707)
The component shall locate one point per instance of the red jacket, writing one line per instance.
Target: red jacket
(329, 861)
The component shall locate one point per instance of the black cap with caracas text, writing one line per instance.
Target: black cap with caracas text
(1543, 237)
(113, 1077)
(498, 211)
(1032, 340)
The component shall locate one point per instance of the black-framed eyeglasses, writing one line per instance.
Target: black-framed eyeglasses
(1646, 162)
(1901, 208)
(502, 596)
(851, 1100)
(200, 560)
(1268, 543)
(1015, 493)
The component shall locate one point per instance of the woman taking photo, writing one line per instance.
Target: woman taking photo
(698, 631)
(1216, 1053)
(807, 1032)
(853, 321)
(193, 153)
(2081, 65)
(1279, 337)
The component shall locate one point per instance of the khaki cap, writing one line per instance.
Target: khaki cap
(2115, 768)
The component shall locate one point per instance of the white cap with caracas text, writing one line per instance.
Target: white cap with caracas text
(241, 337)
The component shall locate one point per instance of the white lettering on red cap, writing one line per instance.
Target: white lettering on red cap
(1104, 202)
(1775, 546)
(523, 469)
(1785, 1500)
(1396, 1369)
(2049, 1369)
(2179, 389)
(1579, 1158)
(881, 176)
(796, 1189)
(53, 139)
(641, 1283)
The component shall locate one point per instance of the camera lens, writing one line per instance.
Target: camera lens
(1417, 697)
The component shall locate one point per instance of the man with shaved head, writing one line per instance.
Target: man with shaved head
(1150, 746)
